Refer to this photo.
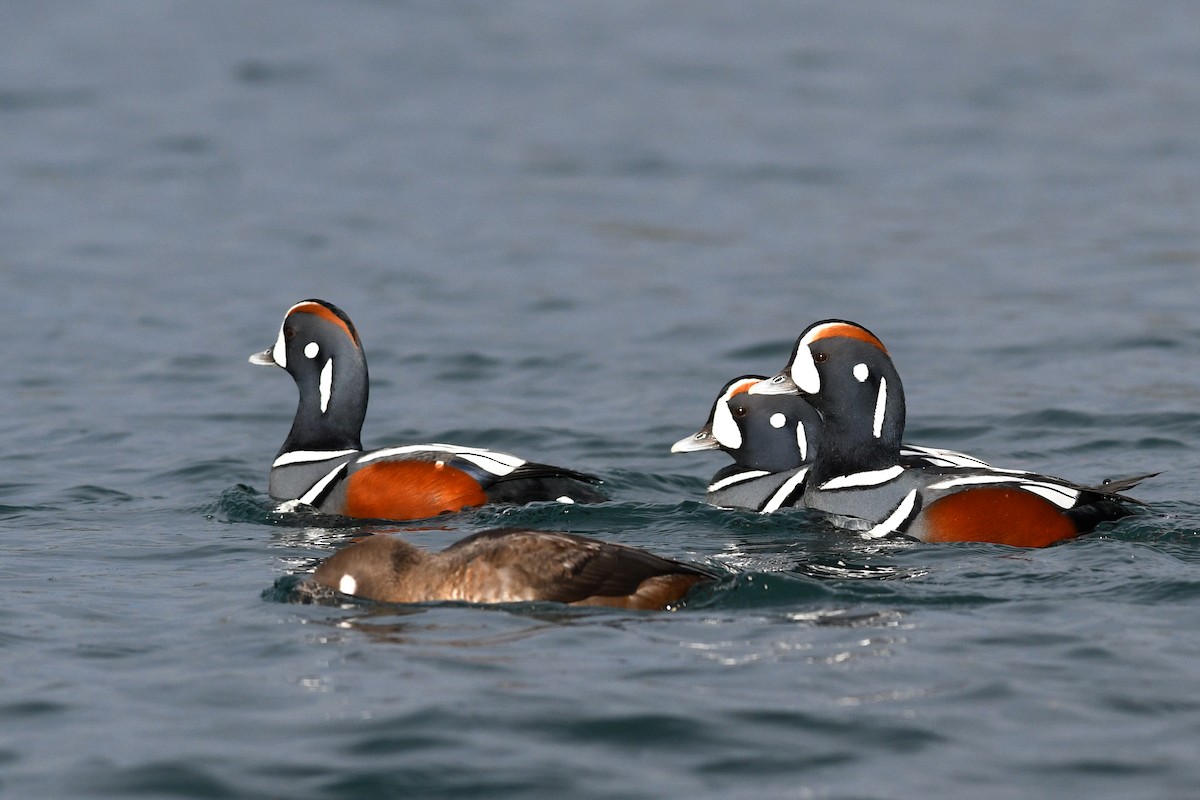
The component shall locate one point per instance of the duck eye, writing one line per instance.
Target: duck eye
(289, 332)
(820, 357)
(739, 411)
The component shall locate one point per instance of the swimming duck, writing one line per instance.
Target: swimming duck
(322, 462)
(859, 478)
(510, 565)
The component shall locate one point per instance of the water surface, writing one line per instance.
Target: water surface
(559, 229)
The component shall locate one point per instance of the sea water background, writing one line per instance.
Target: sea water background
(560, 227)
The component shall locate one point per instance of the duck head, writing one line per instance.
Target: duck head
(320, 349)
(846, 373)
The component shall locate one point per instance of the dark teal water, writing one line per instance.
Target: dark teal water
(560, 228)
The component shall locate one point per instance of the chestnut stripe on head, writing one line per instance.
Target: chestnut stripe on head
(741, 387)
(828, 330)
(328, 314)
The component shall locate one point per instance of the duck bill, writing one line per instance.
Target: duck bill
(700, 440)
(265, 359)
(780, 384)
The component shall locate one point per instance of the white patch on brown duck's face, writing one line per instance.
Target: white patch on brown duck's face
(347, 585)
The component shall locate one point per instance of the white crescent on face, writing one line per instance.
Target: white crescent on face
(279, 351)
(804, 371)
(725, 429)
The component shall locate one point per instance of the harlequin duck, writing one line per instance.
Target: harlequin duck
(769, 438)
(846, 373)
(322, 462)
(773, 440)
(510, 565)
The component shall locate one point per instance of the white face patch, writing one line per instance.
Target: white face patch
(311, 349)
(861, 373)
(347, 584)
(725, 429)
(326, 385)
(778, 420)
(804, 371)
(802, 441)
(880, 407)
(279, 351)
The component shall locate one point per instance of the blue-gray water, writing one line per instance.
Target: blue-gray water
(559, 228)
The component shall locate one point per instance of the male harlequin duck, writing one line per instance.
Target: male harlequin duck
(322, 463)
(845, 372)
(510, 565)
(773, 440)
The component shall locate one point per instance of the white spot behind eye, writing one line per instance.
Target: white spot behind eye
(347, 584)
(778, 420)
(311, 349)
(861, 372)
